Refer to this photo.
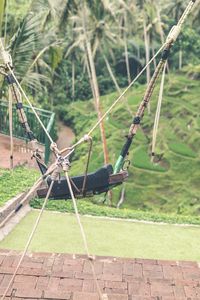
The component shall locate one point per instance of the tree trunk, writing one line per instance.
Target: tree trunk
(90, 77)
(161, 32)
(97, 100)
(73, 79)
(138, 56)
(154, 61)
(126, 52)
(102, 131)
(115, 82)
(147, 52)
(11, 128)
(95, 86)
(180, 59)
(111, 74)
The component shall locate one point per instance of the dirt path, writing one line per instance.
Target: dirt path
(65, 136)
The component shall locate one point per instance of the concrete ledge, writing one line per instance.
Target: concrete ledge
(13, 221)
(12, 205)
(9, 206)
(12, 212)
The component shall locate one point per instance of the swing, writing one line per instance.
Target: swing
(100, 181)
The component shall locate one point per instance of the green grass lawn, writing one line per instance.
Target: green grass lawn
(60, 233)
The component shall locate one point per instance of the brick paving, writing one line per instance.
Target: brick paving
(69, 277)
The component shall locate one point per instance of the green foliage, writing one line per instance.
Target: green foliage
(189, 43)
(192, 71)
(35, 25)
(141, 160)
(170, 185)
(171, 188)
(24, 47)
(15, 182)
(88, 208)
(182, 149)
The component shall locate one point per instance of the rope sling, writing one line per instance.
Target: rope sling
(62, 162)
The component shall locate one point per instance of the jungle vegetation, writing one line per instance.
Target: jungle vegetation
(67, 52)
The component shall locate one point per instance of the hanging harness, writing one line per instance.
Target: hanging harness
(107, 177)
(100, 181)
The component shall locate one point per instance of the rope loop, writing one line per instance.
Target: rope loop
(173, 34)
(126, 165)
(54, 148)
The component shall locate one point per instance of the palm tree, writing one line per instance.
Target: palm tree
(25, 46)
(94, 83)
(94, 34)
(47, 10)
(152, 28)
(175, 8)
(127, 17)
(196, 15)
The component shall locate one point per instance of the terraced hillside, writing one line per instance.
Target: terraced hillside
(172, 184)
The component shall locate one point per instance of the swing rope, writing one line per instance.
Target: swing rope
(30, 104)
(158, 110)
(90, 258)
(28, 242)
(10, 128)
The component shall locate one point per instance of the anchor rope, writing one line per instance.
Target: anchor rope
(158, 110)
(90, 258)
(11, 128)
(29, 241)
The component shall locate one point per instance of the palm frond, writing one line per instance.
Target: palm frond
(36, 81)
(26, 48)
(22, 45)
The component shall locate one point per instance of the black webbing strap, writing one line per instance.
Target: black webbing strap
(19, 105)
(10, 79)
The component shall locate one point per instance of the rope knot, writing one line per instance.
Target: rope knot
(54, 148)
(66, 165)
(87, 138)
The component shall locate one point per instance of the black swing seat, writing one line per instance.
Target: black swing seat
(96, 183)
